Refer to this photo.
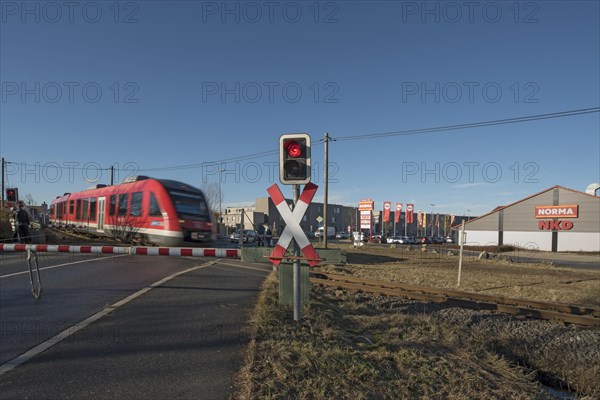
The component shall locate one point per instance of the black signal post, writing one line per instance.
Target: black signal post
(294, 159)
(294, 169)
(12, 195)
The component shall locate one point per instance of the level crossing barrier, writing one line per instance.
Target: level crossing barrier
(132, 250)
(32, 251)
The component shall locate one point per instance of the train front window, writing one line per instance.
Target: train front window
(154, 207)
(190, 205)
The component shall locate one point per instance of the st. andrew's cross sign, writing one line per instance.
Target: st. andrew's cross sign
(293, 230)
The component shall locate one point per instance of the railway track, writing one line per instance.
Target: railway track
(572, 314)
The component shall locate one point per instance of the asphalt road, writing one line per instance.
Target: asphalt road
(181, 339)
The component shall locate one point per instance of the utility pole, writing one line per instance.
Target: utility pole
(326, 147)
(112, 174)
(220, 224)
(2, 203)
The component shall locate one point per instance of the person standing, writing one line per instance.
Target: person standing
(22, 222)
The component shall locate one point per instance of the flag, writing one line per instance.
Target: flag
(409, 213)
(386, 211)
(437, 220)
(398, 212)
(452, 219)
(424, 219)
(419, 218)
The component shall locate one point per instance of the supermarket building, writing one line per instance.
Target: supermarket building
(556, 219)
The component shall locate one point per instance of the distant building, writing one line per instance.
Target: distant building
(264, 213)
(444, 228)
(338, 216)
(556, 219)
(232, 218)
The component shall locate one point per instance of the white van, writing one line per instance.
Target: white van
(330, 232)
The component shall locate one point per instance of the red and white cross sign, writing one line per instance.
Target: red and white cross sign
(292, 224)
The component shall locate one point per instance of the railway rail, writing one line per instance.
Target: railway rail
(572, 314)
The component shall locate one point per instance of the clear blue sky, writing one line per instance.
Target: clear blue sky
(192, 82)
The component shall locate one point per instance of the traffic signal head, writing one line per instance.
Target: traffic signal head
(12, 195)
(294, 159)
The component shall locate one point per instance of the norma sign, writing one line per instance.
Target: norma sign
(567, 211)
(555, 212)
(366, 205)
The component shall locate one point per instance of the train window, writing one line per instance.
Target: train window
(123, 199)
(136, 204)
(71, 206)
(154, 208)
(113, 205)
(190, 205)
(84, 212)
(78, 210)
(93, 209)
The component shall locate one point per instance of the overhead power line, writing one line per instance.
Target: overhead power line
(365, 136)
(472, 125)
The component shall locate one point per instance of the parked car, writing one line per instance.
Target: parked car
(249, 236)
(377, 239)
(395, 239)
(342, 235)
(449, 239)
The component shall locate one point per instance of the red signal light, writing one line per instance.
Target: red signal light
(12, 194)
(294, 149)
(294, 158)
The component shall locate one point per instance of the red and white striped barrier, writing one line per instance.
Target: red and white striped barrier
(137, 251)
(292, 228)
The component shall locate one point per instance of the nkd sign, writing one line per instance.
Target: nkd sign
(555, 225)
(555, 212)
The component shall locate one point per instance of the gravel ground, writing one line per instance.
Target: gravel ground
(563, 357)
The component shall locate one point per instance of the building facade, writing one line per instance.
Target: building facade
(338, 216)
(557, 219)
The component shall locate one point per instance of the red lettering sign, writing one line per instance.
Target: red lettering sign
(555, 225)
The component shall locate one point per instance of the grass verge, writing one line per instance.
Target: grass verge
(359, 346)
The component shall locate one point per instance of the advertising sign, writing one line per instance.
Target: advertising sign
(567, 211)
(410, 217)
(387, 206)
(398, 212)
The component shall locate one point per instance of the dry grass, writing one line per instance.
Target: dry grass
(350, 347)
(360, 346)
(528, 281)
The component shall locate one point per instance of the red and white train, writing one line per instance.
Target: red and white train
(151, 211)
